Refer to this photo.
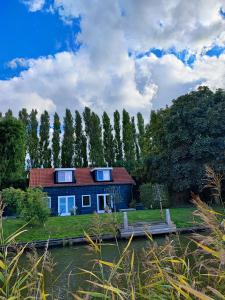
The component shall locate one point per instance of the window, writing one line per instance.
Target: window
(66, 205)
(86, 201)
(64, 176)
(104, 201)
(103, 175)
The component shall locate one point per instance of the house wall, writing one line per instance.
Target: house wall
(78, 191)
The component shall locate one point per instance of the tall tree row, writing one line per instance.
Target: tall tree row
(83, 140)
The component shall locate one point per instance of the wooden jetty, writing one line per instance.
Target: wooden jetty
(152, 228)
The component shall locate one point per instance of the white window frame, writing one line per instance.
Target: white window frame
(49, 202)
(103, 172)
(83, 200)
(64, 181)
(67, 213)
(111, 202)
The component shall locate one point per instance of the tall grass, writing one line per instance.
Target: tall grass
(168, 271)
(17, 281)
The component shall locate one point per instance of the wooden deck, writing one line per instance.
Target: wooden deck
(141, 228)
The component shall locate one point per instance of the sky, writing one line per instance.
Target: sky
(108, 54)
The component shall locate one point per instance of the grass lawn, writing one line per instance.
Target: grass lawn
(72, 226)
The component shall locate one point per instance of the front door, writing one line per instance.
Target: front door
(103, 201)
(66, 205)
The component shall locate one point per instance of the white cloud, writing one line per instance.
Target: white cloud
(34, 5)
(103, 76)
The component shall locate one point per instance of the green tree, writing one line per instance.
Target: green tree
(68, 141)
(56, 147)
(33, 140)
(96, 147)
(84, 151)
(187, 136)
(24, 117)
(128, 141)
(34, 208)
(12, 197)
(80, 159)
(44, 150)
(108, 140)
(9, 113)
(118, 141)
(12, 151)
(141, 134)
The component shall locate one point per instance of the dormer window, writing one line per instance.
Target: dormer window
(102, 174)
(64, 175)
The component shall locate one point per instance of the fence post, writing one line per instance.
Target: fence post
(125, 220)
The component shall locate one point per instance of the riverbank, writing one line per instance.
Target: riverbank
(74, 226)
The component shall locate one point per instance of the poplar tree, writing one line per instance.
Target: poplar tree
(44, 150)
(24, 118)
(68, 141)
(87, 125)
(80, 150)
(33, 140)
(96, 147)
(118, 141)
(12, 152)
(128, 141)
(56, 141)
(108, 140)
(135, 139)
(141, 133)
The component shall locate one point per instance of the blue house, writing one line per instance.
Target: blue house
(84, 190)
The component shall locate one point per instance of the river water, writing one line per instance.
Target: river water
(69, 260)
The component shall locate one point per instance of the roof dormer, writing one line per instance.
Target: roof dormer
(102, 174)
(65, 175)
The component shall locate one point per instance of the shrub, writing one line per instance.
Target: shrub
(152, 194)
(34, 207)
(11, 198)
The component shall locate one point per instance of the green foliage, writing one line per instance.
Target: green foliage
(44, 150)
(186, 137)
(141, 134)
(33, 140)
(152, 194)
(12, 151)
(56, 147)
(118, 141)
(34, 208)
(128, 141)
(80, 159)
(11, 197)
(108, 140)
(96, 147)
(68, 141)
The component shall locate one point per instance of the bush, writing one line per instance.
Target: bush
(152, 194)
(11, 198)
(34, 207)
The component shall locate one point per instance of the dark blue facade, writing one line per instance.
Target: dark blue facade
(125, 192)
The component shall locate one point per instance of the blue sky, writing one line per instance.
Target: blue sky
(30, 35)
(108, 55)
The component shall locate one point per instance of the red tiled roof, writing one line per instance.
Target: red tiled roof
(45, 177)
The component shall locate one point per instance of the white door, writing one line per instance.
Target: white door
(103, 201)
(66, 204)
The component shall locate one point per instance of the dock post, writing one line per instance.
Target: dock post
(168, 218)
(125, 220)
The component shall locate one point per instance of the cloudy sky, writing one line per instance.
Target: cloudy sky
(108, 54)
